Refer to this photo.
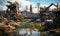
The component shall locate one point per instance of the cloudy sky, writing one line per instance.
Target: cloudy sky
(23, 3)
(47, 2)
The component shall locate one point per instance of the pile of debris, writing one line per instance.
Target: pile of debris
(7, 25)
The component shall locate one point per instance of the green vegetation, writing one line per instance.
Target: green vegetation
(39, 26)
(22, 19)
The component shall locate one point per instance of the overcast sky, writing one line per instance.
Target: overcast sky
(23, 3)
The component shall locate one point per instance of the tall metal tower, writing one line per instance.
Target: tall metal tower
(38, 5)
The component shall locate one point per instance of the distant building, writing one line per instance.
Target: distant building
(2, 13)
(31, 16)
(38, 5)
(30, 8)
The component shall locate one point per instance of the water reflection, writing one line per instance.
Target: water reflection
(27, 32)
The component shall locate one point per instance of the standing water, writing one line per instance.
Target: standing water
(25, 32)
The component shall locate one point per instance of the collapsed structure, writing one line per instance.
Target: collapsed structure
(12, 11)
